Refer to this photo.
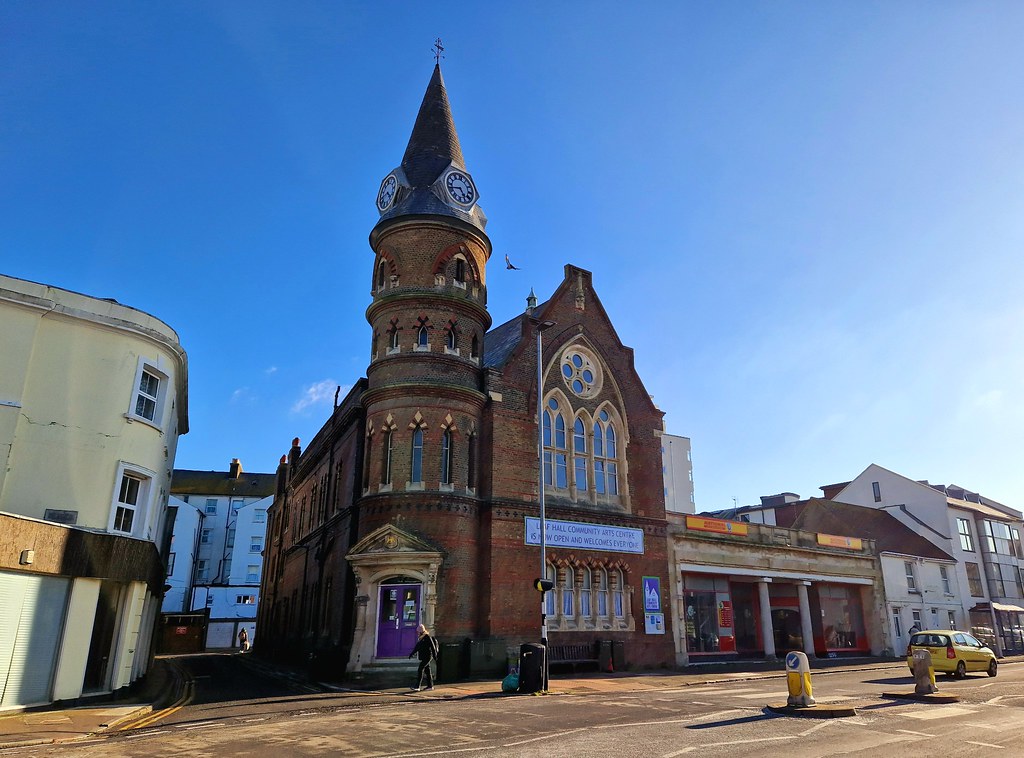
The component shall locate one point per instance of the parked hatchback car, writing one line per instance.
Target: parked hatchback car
(954, 653)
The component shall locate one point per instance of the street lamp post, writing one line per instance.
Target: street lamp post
(541, 328)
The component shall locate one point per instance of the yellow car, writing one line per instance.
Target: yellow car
(954, 653)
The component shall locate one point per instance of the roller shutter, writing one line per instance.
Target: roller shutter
(31, 628)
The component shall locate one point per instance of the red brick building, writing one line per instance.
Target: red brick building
(418, 499)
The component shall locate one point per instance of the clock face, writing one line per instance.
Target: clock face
(388, 190)
(460, 187)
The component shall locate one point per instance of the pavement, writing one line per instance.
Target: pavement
(166, 688)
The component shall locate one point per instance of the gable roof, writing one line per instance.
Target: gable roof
(845, 520)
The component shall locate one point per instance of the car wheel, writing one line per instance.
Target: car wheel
(993, 668)
(961, 670)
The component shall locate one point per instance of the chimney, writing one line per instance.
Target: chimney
(235, 469)
(282, 475)
(294, 453)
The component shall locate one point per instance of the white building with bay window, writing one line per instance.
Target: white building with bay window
(93, 398)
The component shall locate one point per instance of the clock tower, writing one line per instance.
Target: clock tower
(423, 403)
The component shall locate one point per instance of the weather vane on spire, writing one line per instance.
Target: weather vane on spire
(438, 49)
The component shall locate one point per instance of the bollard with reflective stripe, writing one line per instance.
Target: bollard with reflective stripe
(798, 679)
(924, 674)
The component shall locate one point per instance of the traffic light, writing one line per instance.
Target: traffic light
(543, 585)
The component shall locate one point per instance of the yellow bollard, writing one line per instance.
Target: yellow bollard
(798, 679)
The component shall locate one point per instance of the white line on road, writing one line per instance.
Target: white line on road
(816, 727)
(982, 726)
(731, 742)
(984, 744)
(919, 734)
(143, 734)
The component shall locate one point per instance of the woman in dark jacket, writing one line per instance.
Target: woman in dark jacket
(426, 649)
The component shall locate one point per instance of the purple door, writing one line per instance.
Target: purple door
(397, 619)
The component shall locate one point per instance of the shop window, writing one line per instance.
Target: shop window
(700, 614)
(842, 617)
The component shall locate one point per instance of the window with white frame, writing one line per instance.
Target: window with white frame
(245, 599)
(908, 566)
(944, 576)
(585, 592)
(618, 598)
(255, 544)
(951, 617)
(963, 528)
(202, 570)
(916, 615)
(211, 506)
(568, 588)
(204, 538)
(230, 541)
(252, 573)
(259, 516)
(580, 451)
(897, 621)
(549, 596)
(131, 498)
(150, 391)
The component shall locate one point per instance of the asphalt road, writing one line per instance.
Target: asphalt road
(268, 717)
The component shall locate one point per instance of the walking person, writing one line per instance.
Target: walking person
(426, 649)
(243, 640)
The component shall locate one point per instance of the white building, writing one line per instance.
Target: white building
(93, 397)
(677, 469)
(981, 534)
(218, 547)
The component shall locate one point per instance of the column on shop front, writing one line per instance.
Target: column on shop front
(767, 634)
(805, 618)
(708, 624)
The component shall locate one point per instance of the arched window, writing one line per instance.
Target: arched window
(373, 347)
(567, 593)
(585, 592)
(446, 457)
(602, 592)
(579, 453)
(393, 337)
(422, 339)
(452, 339)
(555, 450)
(460, 270)
(385, 457)
(474, 348)
(606, 470)
(366, 460)
(617, 593)
(471, 461)
(416, 470)
(382, 276)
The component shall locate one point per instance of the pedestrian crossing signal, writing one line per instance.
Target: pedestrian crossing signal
(543, 585)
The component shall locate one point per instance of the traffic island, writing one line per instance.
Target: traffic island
(817, 711)
(932, 697)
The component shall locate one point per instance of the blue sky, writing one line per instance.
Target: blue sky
(806, 218)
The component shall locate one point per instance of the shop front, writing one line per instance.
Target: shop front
(757, 591)
(1009, 626)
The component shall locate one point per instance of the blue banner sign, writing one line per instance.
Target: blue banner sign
(613, 539)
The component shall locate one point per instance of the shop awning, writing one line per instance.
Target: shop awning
(983, 608)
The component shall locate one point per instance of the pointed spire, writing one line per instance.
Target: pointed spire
(434, 143)
(531, 301)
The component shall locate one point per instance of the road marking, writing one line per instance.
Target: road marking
(816, 727)
(939, 713)
(919, 734)
(144, 734)
(983, 726)
(984, 744)
(731, 742)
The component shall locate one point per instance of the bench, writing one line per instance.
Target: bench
(572, 656)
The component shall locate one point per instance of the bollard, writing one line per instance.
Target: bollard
(924, 674)
(798, 679)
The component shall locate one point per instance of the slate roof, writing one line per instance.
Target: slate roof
(844, 520)
(189, 482)
(500, 341)
(433, 145)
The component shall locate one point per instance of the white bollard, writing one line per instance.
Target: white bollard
(798, 679)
